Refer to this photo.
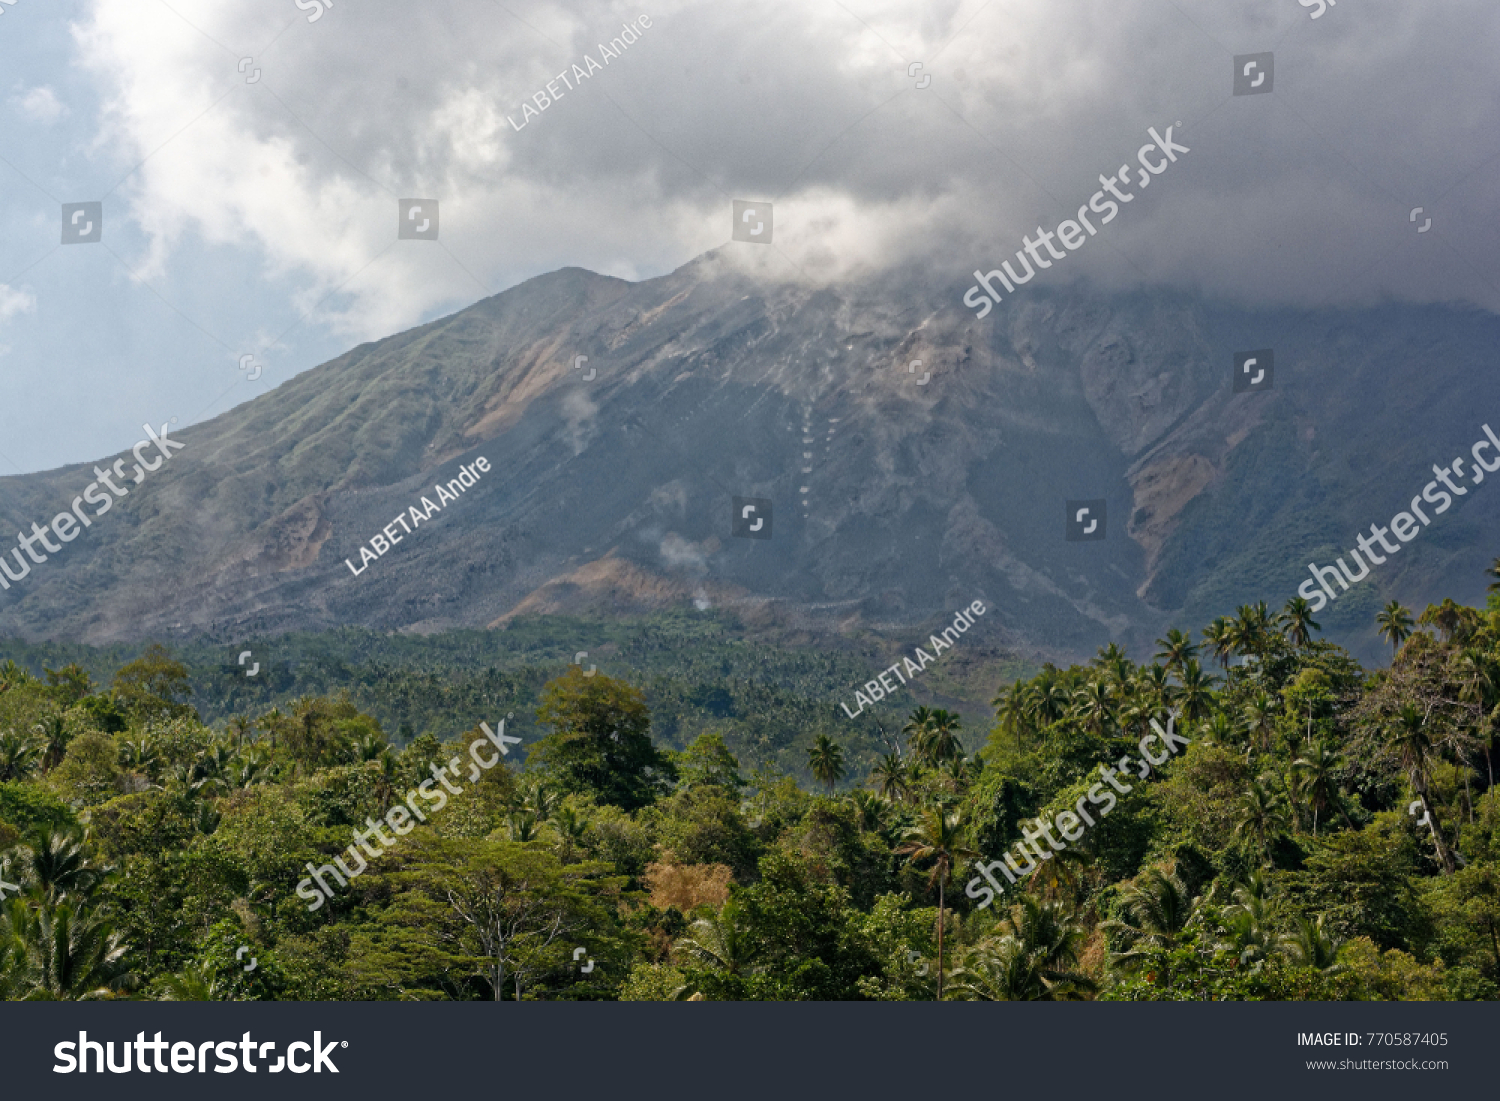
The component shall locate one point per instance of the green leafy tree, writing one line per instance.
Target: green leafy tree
(1175, 650)
(63, 953)
(826, 761)
(1033, 956)
(1153, 912)
(1395, 624)
(891, 778)
(506, 914)
(1297, 622)
(149, 687)
(709, 761)
(601, 740)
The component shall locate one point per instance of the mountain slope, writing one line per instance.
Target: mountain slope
(613, 495)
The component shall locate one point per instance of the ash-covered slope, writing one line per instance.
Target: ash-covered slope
(894, 500)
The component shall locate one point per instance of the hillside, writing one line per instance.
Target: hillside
(895, 502)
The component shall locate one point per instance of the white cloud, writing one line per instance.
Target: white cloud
(40, 105)
(13, 302)
(631, 172)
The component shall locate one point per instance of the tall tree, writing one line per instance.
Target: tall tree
(1220, 640)
(1176, 650)
(601, 740)
(891, 777)
(940, 839)
(1410, 739)
(826, 761)
(1395, 624)
(1260, 815)
(1317, 767)
(1297, 622)
(937, 740)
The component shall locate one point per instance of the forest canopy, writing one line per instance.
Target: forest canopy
(1324, 831)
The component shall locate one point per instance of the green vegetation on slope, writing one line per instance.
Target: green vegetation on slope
(1327, 833)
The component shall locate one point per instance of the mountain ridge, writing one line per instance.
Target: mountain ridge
(894, 499)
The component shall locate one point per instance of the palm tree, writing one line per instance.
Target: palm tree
(1246, 925)
(1049, 696)
(826, 760)
(1196, 696)
(1094, 705)
(1176, 650)
(1317, 767)
(1154, 684)
(1395, 624)
(371, 746)
(1012, 709)
(870, 811)
(1478, 681)
(892, 778)
(250, 768)
(540, 799)
(1034, 958)
(54, 732)
(937, 740)
(522, 825)
(1220, 640)
(57, 864)
(1260, 718)
(19, 755)
(721, 942)
(140, 755)
(1455, 622)
(1310, 946)
(13, 676)
(916, 724)
(1249, 628)
(1494, 571)
(940, 838)
(1297, 622)
(1407, 736)
(572, 829)
(1154, 910)
(68, 954)
(1109, 656)
(1261, 815)
(1219, 729)
(197, 982)
(242, 727)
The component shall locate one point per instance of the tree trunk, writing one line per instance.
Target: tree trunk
(940, 941)
(1444, 855)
